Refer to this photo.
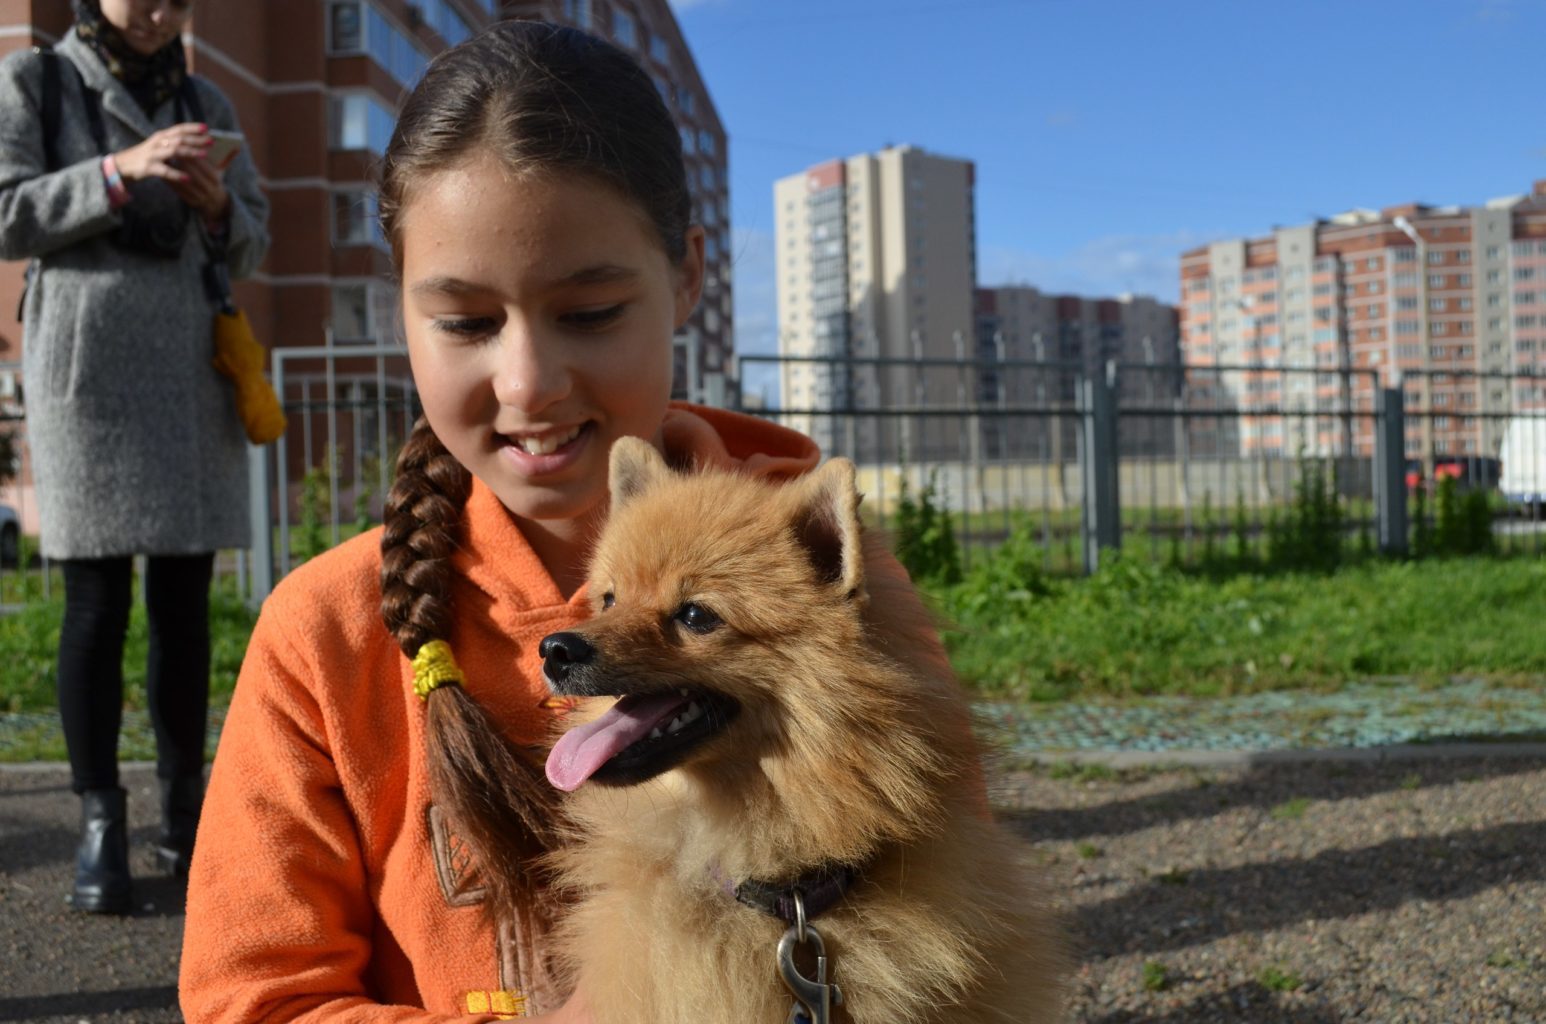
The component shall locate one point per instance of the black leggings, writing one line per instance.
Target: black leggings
(96, 617)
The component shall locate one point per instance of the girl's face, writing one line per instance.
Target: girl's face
(147, 25)
(539, 313)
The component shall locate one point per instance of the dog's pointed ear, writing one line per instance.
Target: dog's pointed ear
(827, 526)
(634, 466)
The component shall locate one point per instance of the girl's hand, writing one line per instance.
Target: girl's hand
(158, 155)
(203, 189)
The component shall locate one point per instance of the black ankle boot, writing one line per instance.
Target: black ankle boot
(181, 800)
(102, 859)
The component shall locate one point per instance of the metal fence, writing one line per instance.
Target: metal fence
(1169, 462)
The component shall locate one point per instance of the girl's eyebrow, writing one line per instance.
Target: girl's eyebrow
(601, 273)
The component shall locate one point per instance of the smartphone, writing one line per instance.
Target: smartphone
(223, 151)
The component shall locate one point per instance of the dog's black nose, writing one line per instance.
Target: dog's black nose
(561, 652)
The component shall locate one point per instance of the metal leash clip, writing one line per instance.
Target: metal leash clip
(813, 1000)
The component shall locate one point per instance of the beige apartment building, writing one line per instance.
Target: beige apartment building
(876, 259)
(317, 84)
(1448, 303)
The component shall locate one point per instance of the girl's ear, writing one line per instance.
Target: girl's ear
(635, 465)
(827, 526)
(689, 281)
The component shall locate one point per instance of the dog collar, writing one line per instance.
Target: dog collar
(820, 890)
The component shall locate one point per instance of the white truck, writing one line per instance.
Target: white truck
(1523, 480)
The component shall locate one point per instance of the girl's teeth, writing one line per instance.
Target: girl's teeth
(546, 445)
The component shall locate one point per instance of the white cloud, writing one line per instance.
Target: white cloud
(1108, 266)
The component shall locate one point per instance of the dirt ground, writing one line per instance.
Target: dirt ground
(1306, 893)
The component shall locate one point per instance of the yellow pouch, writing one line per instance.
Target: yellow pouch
(241, 357)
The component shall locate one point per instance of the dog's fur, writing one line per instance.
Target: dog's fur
(852, 745)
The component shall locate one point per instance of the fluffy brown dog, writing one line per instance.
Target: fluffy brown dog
(786, 721)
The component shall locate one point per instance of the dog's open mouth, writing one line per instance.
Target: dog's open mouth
(637, 738)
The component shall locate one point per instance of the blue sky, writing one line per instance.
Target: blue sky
(1111, 135)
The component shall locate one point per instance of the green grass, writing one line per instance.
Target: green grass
(1156, 976)
(1138, 627)
(1291, 810)
(29, 641)
(1276, 979)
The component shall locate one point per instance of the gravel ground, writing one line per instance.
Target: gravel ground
(1396, 891)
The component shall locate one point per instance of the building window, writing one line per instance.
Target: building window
(351, 312)
(706, 142)
(689, 141)
(623, 30)
(577, 12)
(346, 30)
(356, 219)
(659, 49)
(358, 27)
(448, 22)
(357, 121)
(1435, 258)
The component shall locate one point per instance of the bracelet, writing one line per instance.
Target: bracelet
(117, 193)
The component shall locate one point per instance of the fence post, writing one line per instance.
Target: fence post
(258, 484)
(1098, 465)
(1390, 469)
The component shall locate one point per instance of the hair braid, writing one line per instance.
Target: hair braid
(494, 794)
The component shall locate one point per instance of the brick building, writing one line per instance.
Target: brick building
(1449, 302)
(316, 84)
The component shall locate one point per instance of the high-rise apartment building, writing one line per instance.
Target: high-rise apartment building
(876, 258)
(1064, 336)
(1447, 301)
(317, 83)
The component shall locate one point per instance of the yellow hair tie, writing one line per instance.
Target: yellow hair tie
(434, 666)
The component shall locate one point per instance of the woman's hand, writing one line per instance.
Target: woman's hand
(202, 189)
(177, 156)
(158, 156)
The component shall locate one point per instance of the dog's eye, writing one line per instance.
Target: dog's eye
(698, 618)
(608, 600)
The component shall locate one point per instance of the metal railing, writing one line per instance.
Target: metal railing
(1169, 461)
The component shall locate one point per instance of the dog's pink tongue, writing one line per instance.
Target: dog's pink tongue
(585, 748)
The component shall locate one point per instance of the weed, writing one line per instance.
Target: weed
(925, 539)
(1156, 976)
(1088, 851)
(1278, 980)
(1172, 876)
(1413, 781)
(1292, 809)
(1090, 771)
(1505, 959)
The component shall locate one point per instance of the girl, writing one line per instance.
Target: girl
(535, 199)
(136, 443)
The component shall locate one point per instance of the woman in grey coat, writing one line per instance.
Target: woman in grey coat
(136, 444)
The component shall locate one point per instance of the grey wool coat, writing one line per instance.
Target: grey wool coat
(135, 440)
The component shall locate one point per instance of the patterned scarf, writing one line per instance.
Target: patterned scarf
(150, 80)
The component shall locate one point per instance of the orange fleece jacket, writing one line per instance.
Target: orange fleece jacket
(323, 887)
